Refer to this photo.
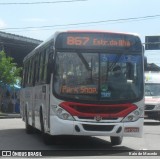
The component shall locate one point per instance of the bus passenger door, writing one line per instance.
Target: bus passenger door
(46, 104)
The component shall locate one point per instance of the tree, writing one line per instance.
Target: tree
(9, 71)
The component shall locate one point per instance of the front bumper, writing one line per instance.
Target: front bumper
(66, 127)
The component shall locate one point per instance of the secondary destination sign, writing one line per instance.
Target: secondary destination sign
(152, 43)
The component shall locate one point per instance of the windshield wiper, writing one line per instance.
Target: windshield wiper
(84, 61)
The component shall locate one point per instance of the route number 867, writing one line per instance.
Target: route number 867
(77, 40)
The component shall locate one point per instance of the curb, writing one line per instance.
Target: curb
(4, 115)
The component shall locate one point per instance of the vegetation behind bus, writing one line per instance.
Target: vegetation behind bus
(9, 71)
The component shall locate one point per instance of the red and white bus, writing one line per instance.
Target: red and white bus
(69, 86)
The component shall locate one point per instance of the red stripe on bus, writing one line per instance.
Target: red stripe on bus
(90, 110)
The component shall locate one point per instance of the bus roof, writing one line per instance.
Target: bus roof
(99, 31)
(152, 77)
(53, 38)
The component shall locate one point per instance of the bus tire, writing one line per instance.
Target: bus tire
(29, 128)
(47, 139)
(116, 140)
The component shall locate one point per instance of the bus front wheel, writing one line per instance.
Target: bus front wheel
(116, 140)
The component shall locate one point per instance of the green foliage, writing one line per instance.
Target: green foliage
(9, 72)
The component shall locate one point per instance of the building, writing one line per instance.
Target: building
(17, 46)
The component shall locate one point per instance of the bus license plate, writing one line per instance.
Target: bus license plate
(131, 129)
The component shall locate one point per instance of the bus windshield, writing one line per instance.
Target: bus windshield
(152, 89)
(98, 76)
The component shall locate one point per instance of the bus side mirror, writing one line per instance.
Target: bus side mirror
(50, 65)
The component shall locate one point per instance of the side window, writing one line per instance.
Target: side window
(42, 66)
(46, 64)
(49, 65)
(27, 82)
(32, 71)
(28, 77)
(37, 68)
(24, 75)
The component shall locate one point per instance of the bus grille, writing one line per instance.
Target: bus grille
(88, 127)
(92, 118)
(98, 109)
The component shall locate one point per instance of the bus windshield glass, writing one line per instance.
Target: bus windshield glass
(152, 89)
(98, 76)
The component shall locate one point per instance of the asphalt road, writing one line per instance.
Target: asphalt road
(13, 137)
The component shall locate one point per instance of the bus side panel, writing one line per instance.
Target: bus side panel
(30, 106)
(22, 105)
(27, 104)
(46, 110)
(37, 103)
(41, 106)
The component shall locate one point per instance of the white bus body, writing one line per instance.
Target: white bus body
(47, 105)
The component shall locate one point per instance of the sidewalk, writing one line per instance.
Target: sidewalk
(9, 115)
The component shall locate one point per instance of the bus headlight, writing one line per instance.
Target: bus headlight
(60, 112)
(135, 115)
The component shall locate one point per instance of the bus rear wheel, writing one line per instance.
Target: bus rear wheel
(29, 128)
(116, 140)
(47, 139)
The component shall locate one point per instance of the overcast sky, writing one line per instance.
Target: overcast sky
(42, 19)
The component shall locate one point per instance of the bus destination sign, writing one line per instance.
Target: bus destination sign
(95, 41)
(86, 40)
